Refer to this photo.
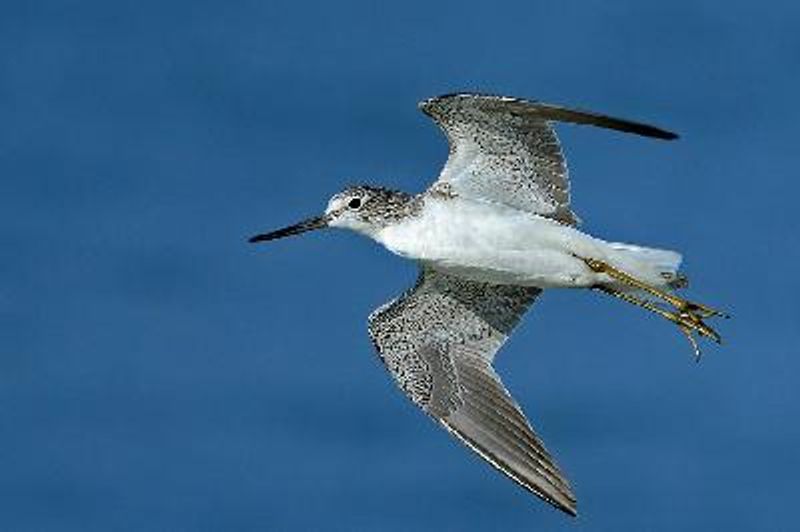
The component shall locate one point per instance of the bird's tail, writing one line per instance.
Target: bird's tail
(658, 267)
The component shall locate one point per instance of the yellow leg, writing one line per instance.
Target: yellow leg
(688, 316)
(681, 304)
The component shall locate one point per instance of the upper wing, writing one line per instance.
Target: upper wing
(438, 341)
(504, 149)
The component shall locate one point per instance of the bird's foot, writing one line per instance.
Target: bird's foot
(701, 310)
(688, 315)
(690, 322)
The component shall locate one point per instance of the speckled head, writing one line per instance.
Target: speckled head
(364, 209)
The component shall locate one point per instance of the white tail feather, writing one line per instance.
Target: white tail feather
(655, 266)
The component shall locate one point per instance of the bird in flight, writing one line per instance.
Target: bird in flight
(493, 231)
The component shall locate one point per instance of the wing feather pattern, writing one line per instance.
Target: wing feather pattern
(438, 341)
(505, 150)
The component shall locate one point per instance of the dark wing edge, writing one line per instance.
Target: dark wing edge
(550, 112)
(437, 341)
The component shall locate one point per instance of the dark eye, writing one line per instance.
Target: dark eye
(354, 203)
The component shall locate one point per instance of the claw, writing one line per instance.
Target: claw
(703, 310)
(696, 323)
(689, 323)
(688, 333)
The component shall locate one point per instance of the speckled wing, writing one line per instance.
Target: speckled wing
(438, 341)
(505, 150)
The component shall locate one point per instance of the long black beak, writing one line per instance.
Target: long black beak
(306, 225)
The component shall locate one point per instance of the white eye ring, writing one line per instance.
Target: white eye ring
(354, 203)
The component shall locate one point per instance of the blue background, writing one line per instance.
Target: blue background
(157, 372)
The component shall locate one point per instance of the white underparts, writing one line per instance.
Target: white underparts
(494, 243)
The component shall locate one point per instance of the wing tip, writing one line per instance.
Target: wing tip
(656, 132)
(566, 502)
(561, 498)
(569, 509)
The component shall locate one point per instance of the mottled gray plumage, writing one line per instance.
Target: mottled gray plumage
(380, 206)
(438, 341)
(504, 149)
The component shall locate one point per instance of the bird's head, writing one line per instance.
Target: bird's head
(363, 209)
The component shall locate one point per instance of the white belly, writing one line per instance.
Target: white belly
(493, 243)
